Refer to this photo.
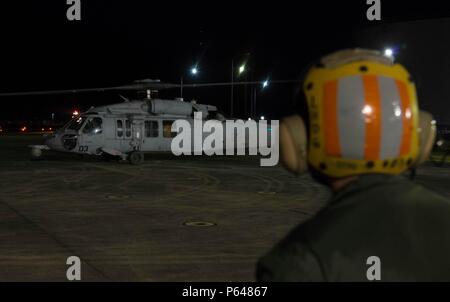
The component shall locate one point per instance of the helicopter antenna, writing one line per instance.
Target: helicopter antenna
(126, 100)
(181, 87)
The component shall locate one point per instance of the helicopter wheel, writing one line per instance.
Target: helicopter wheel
(136, 158)
(36, 154)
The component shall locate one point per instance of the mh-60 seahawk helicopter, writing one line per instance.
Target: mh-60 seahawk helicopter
(126, 130)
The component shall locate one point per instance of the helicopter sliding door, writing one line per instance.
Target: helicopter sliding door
(152, 137)
(130, 133)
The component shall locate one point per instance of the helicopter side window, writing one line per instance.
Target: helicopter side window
(119, 128)
(151, 129)
(93, 126)
(127, 128)
(167, 129)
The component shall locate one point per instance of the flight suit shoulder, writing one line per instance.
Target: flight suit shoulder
(291, 260)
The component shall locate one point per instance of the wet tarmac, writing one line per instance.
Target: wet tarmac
(170, 219)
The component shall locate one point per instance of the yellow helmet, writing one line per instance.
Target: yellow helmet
(363, 118)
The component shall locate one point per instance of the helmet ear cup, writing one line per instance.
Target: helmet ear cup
(293, 144)
(427, 136)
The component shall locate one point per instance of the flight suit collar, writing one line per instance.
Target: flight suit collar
(363, 183)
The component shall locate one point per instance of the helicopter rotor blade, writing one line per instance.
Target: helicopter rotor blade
(51, 92)
(140, 85)
(137, 85)
(198, 85)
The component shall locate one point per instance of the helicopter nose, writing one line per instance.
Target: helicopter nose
(51, 140)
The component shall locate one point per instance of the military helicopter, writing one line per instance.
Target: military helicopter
(126, 130)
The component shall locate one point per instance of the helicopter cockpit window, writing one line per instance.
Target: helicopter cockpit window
(151, 129)
(76, 123)
(167, 129)
(119, 127)
(93, 126)
(127, 128)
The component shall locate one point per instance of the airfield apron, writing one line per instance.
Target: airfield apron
(404, 225)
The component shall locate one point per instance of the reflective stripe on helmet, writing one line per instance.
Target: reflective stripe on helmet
(366, 117)
(351, 122)
(391, 119)
(406, 118)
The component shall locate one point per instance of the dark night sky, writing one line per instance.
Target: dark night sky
(118, 42)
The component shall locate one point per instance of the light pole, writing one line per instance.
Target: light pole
(241, 70)
(253, 107)
(389, 52)
(194, 72)
(232, 87)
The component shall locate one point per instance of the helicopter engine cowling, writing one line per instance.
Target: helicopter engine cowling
(170, 107)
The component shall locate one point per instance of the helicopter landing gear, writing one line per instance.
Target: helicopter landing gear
(136, 158)
(108, 157)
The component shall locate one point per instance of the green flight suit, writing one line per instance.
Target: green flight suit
(405, 225)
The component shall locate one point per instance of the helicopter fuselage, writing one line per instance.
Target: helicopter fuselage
(124, 128)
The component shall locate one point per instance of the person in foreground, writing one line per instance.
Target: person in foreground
(360, 128)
